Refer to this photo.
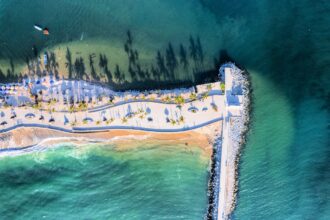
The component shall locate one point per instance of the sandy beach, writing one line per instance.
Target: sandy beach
(26, 137)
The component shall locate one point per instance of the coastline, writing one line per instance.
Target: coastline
(186, 118)
(22, 139)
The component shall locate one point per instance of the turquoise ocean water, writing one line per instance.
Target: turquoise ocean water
(99, 182)
(284, 169)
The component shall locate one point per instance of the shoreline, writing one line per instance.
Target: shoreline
(213, 117)
(25, 138)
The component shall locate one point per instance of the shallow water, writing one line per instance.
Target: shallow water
(100, 182)
(284, 169)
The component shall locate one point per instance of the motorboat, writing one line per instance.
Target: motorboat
(45, 30)
(37, 27)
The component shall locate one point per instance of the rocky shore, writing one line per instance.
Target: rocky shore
(238, 130)
(223, 173)
(214, 180)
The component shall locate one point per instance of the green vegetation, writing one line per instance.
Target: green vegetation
(109, 121)
(204, 96)
(222, 86)
(74, 123)
(167, 99)
(193, 96)
(179, 100)
(82, 106)
(124, 120)
(181, 119)
(173, 122)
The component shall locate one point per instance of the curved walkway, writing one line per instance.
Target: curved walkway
(107, 128)
(106, 106)
(102, 107)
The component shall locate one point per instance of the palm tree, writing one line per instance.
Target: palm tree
(39, 106)
(222, 86)
(193, 96)
(204, 96)
(51, 103)
(140, 110)
(173, 122)
(109, 121)
(181, 119)
(72, 109)
(124, 120)
(167, 99)
(179, 100)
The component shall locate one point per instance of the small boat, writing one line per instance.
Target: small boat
(37, 27)
(45, 30)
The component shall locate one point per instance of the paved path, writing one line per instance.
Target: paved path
(107, 128)
(158, 117)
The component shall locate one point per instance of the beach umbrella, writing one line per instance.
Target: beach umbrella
(166, 111)
(30, 115)
(193, 109)
(88, 119)
(148, 110)
(129, 109)
(66, 120)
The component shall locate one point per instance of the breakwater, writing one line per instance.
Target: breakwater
(242, 126)
(238, 129)
(235, 126)
(214, 180)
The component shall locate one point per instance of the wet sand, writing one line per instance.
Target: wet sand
(24, 137)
